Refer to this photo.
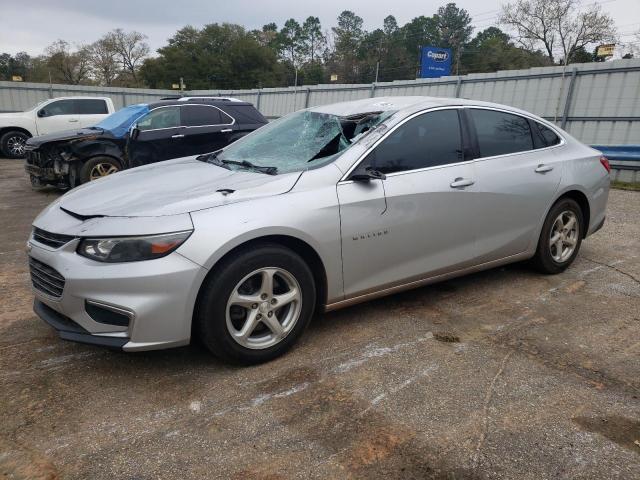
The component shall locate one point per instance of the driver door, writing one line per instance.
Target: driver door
(414, 223)
(157, 136)
(57, 116)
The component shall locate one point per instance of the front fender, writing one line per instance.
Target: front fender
(310, 216)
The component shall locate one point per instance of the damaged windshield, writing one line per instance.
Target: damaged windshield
(297, 142)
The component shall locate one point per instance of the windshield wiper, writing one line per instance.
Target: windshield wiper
(247, 164)
(213, 159)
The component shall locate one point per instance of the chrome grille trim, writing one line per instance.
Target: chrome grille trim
(46, 279)
(54, 240)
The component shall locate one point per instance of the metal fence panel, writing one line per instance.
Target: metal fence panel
(595, 102)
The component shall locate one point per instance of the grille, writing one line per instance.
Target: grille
(46, 279)
(32, 157)
(54, 240)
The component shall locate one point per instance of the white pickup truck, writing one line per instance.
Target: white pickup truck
(54, 115)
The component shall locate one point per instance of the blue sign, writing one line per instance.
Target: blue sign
(435, 62)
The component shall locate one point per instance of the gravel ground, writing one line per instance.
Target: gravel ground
(502, 374)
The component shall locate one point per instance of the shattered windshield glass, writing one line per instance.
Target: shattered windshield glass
(298, 141)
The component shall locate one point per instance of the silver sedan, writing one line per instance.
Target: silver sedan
(318, 210)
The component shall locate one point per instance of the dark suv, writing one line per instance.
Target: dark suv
(138, 135)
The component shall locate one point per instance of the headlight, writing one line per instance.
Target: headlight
(131, 249)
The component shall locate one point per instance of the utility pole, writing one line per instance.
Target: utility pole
(377, 69)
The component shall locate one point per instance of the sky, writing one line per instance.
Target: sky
(31, 25)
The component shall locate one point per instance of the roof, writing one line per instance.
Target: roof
(216, 101)
(409, 104)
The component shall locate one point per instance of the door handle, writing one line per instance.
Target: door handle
(179, 135)
(226, 130)
(73, 120)
(542, 168)
(461, 182)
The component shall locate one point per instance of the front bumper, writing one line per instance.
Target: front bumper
(70, 330)
(157, 295)
(46, 170)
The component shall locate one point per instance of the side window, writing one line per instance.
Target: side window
(428, 140)
(91, 107)
(61, 107)
(163, 117)
(500, 133)
(548, 135)
(198, 115)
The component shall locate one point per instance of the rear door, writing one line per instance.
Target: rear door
(159, 137)
(207, 128)
(90, 111)
(517, 178)
(415, 223)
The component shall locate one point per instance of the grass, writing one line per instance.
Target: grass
(625, 186)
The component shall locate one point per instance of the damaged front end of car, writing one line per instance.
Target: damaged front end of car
(51, 165)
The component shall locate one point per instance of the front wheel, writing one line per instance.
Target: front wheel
(256, 304)
(98, 167)
(560, 238)
(13, 143)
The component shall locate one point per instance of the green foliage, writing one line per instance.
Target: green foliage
(216, 56)
(492, 50)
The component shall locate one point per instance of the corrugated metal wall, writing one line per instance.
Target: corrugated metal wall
(599, 103)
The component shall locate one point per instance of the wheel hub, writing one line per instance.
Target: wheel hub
(263, 308)
(564, 236)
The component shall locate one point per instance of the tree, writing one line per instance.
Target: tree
(131, 49)
(68, 66)
(561, 27)
(347, 40)
(217, 56)
(104, 57)
(291, 43)
(492, 50)
(454, 26)
(314, 40)
(419, 32)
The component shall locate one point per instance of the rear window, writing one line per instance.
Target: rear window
(500, 133)
(245, 114)
(548, 135)
(201, 115)
(91, 107)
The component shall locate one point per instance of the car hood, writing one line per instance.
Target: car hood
(78, 133)
(170, 188)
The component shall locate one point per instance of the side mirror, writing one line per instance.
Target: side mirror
(367, 175)
(42, 113)
(134, 131)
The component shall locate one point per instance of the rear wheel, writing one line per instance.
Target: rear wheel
(560, 238)
(12, 144)
(98, 167)
(256, 304)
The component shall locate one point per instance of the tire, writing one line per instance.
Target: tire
(12, 144)
(219, 322)
(92, 167)
(553, 257)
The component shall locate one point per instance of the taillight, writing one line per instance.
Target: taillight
(605, 163)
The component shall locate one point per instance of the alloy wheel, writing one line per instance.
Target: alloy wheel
(263, 308)
(102, 170)
(564, 236)
(16, 145)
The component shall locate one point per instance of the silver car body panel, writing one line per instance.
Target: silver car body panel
(372, 238)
